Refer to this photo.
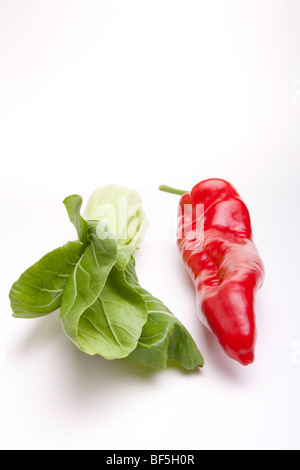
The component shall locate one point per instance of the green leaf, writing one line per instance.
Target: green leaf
(111, 327)
(39, 289)
(101, 310)
(73, 205)
(88, 278)
(163, 337)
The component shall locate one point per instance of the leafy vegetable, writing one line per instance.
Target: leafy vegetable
(87, 280)
(112, 326)
(73, 205)
(39, 289)
(163, 337)
(103, 308)
(121, 210)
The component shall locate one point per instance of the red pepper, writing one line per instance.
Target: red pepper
(214, 237)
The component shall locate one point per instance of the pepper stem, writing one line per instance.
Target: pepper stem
(168, 189)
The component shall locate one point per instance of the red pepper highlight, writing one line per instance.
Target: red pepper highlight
(214, 237)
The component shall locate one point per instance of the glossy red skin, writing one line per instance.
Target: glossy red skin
(221, 258)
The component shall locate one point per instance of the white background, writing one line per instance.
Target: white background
(143, 93)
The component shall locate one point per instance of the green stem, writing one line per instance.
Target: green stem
(168, 189)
